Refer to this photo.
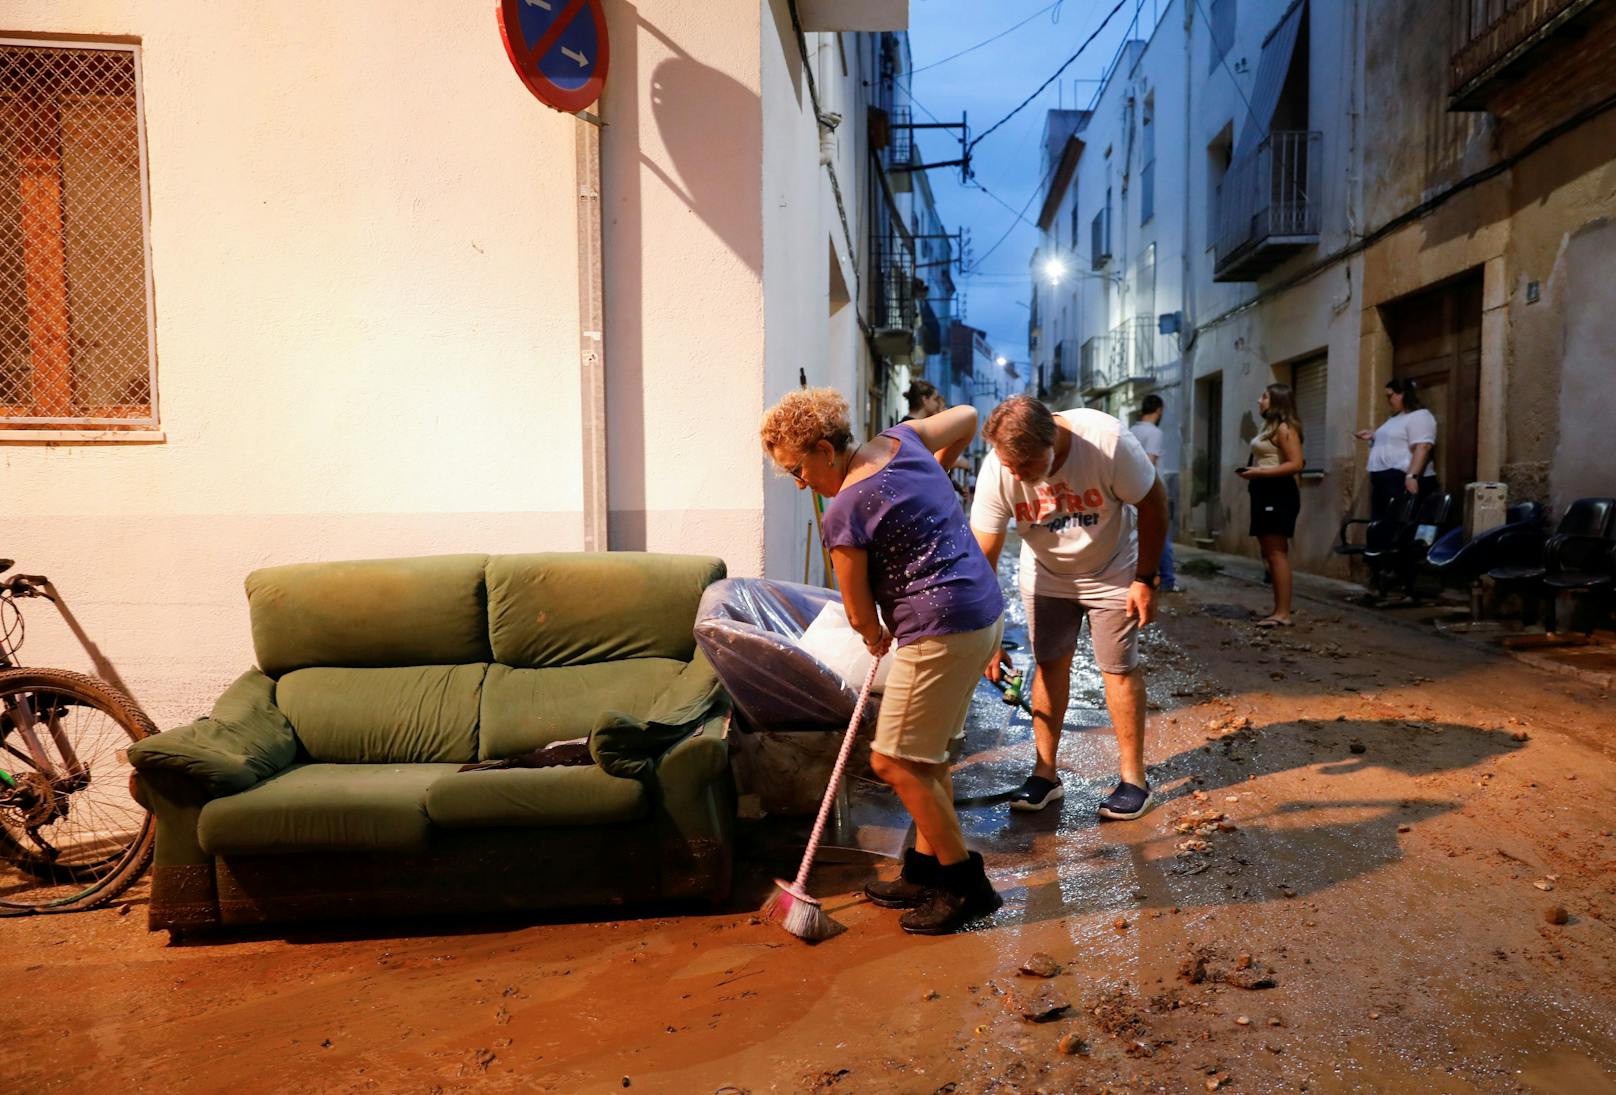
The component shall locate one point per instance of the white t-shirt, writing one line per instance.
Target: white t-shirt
(1150, 438)
(1078, 528)
(1394, 441)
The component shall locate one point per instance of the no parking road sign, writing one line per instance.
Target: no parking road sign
(558, 48)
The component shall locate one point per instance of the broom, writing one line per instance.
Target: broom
(797, 912)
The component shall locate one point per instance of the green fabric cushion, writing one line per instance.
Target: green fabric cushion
(378, 612)
(244, 740)
(534, 796)
(571, 609)
(310, 807)
(407, 715)
(525, 709)
(629, 747)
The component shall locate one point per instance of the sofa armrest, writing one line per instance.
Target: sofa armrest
(246, 739)
(633, 748)
(697, 759)
(693, 695)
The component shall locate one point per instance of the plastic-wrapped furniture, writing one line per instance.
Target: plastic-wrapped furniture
(789, 706)
(749, 629)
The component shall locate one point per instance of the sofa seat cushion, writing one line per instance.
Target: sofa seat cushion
(527, 709)
(403, 715)
(325, 807)
(534, 797)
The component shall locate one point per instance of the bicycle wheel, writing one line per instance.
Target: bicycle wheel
(71, 835)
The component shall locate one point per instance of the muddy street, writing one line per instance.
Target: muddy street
(1382, 862)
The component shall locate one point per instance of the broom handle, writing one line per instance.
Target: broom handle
(836, 775)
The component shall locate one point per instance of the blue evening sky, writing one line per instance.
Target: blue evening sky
(987, 83)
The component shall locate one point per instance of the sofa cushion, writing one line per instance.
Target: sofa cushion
(408, 715)
(324, 807)
(571, 609)
(525, 709)
(372, 613)
(534, 796)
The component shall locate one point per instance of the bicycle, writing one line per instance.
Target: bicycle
(72, 837)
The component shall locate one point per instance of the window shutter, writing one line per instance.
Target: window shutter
(1308, 382)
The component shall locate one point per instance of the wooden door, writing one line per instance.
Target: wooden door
(1436, 342)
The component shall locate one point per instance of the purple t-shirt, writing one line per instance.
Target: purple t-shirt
(928, 575)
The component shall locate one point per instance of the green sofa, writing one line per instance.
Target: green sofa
(326, 783)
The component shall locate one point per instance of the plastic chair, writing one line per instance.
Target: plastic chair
(1395, 562)
(1575, 560)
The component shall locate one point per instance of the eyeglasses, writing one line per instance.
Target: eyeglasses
(795, 471)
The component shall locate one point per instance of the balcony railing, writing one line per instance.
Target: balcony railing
(1099, 364)
(1267, 206)
(1491, 36)
(1135, 344)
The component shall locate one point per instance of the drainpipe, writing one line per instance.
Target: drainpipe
(591, 332)
(1186, 376)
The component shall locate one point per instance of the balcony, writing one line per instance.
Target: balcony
(1496, 41)
(1134, 344)
(1096, 375)
(1268, 206)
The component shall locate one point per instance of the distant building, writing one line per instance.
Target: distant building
(1331, 195)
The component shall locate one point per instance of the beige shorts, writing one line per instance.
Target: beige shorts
(929, 693)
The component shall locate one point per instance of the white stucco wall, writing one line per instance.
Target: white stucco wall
(364, 251)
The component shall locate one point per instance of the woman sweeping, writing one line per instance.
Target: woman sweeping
(903, 554)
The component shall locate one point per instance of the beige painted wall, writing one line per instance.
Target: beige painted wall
(363, 243)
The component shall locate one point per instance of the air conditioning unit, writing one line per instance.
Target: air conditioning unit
(896, 343)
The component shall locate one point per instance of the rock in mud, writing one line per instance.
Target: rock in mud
(1356, 746)
(1072, 1046)
(1254, 976)
(1556, 914)
(1040, 965)
(1193, 969)
(1040, 1006)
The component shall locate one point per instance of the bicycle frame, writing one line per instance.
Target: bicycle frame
(21, 717)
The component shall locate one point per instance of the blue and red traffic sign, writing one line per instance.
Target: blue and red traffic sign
(558, 48)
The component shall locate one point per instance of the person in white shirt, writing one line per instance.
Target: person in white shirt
(1402, 450)
(1149, 432)
(1092, 517)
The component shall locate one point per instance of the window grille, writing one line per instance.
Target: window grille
(75, 285)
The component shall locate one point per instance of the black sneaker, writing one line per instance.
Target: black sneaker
(1126, 803)
(962, 893)
(910, 887)
(1037, 793)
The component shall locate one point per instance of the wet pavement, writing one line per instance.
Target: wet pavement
(1382, 862)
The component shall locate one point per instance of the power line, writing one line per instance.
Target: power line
(1021, 214)
(1064, 66)
(987, 41)
(1223, 60)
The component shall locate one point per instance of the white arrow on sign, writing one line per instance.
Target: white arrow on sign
(576, 56)
(545, 4)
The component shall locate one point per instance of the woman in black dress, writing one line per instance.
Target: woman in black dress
(1276, 457)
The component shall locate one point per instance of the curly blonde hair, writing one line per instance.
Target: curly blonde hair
(804, 418)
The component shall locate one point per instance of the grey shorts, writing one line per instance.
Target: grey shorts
(1053, 624)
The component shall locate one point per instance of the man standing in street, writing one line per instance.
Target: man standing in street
(1149, 432)
(1092, 517)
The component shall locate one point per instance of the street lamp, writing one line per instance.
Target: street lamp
(1054, 270)
(1001, 361)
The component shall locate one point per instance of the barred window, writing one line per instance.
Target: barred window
(75, 282)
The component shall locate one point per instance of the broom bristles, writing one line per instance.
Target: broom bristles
(799, 914)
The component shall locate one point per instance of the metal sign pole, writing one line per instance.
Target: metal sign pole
(591, 334)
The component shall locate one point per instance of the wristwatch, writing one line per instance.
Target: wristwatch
(1148, 579)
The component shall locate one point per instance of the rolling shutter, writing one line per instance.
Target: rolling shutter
(1308, 382)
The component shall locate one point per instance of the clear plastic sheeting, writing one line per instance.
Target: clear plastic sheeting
(749, 629)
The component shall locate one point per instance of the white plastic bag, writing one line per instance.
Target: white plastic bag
(832, 640)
